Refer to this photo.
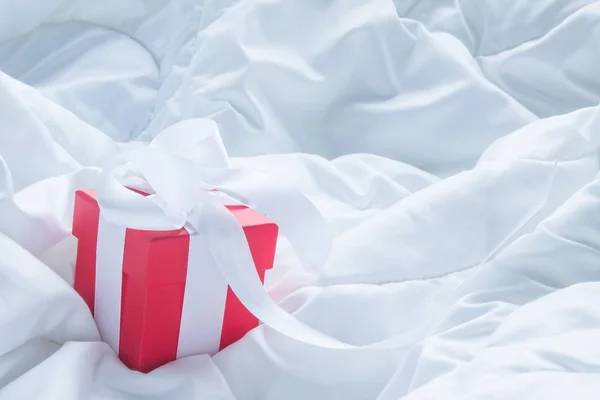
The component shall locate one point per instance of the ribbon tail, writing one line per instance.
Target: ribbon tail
(228, 247)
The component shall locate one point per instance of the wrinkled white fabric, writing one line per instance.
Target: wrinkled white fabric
(452, 147)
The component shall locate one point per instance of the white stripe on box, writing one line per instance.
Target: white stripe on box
(109, 276)
(203, 302)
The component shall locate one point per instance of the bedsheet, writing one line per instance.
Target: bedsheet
(451, 145)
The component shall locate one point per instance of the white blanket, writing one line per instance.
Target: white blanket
(452, 146)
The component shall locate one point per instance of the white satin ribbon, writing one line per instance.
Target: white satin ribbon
(181, 167)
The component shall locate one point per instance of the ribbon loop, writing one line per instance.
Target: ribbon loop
(195, 139)
(298, 219)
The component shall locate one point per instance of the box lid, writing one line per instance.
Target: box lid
(261, 233)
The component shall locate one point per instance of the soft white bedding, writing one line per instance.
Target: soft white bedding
(452, 146)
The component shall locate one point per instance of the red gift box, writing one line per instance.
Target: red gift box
(157, 295)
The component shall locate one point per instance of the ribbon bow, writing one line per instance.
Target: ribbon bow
(187, 171)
